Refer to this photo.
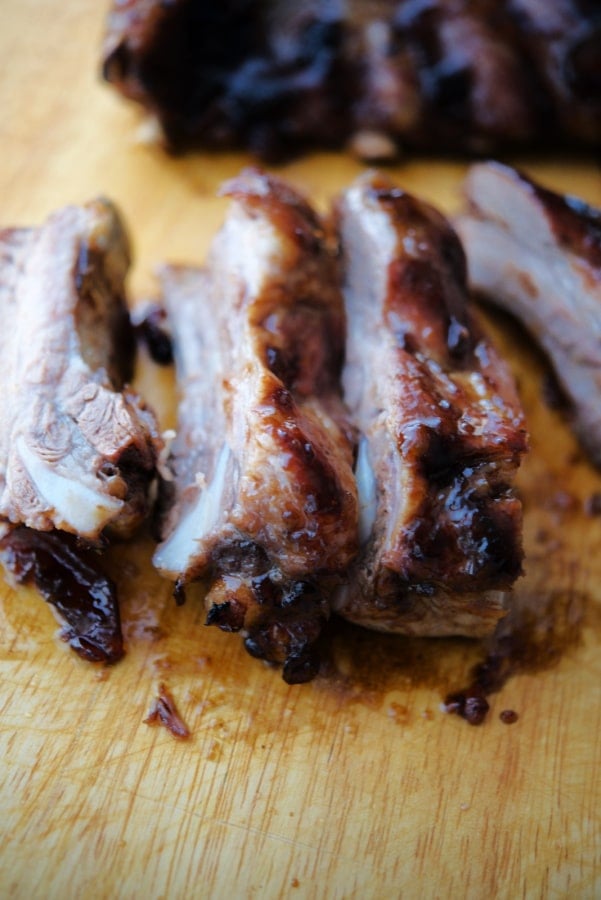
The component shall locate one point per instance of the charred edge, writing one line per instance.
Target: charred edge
(576, 225)
(284, 366)
(69, 579)
(301, 663)
(152, 333)
(245, 562)
(228, 616)
(138, 471)
(286, 628)
(397, 591)
(282, 621)
(442, 287)
(209, 71)
(179, 592)
(244, 558)
(460, 530)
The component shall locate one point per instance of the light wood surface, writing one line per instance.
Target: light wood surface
(356, 785)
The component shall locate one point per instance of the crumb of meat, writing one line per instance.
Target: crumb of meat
(164, 712)
(470, 705)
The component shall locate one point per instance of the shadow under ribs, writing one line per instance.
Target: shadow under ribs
(538, 256)
(442, 431)
(77, 448)
(263, 497)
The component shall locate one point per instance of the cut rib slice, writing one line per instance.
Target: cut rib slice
(263, 497)
(538, 256)
(442, 431)
(77, 447)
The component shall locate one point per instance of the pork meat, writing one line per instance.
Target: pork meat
(442, 430)
(538, 256)
(279, 76)
(78, 447)
(263, 500)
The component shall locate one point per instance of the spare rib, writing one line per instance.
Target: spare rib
(263, 500)
(279, 76)
(442, 430)
(78, 448)
(538, 255)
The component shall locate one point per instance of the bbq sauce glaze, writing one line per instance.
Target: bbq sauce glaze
(68, 577)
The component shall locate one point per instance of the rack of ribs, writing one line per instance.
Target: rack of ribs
(537, 255)
(263, 501)
(278, 76)
(441, 428)
(78, 448)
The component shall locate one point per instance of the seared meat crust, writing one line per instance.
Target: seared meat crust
(263, 498)
(441, 425)
(279, 76)
(538, 256)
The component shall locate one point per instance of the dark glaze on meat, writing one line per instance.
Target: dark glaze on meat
(219, 74)
(151, 330)
(575, 224)
(277, 76)
(442, 429)
(69, 579)
(263, 501)
(538, 255)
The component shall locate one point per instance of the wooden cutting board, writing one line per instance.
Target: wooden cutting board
(356, 785)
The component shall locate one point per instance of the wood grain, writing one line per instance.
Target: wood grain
(356, 785)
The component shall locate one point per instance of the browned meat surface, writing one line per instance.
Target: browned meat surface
(562, 39)
(538, 255)
(279, 76)
(77, 447)
(263, 497)
(442, 431)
